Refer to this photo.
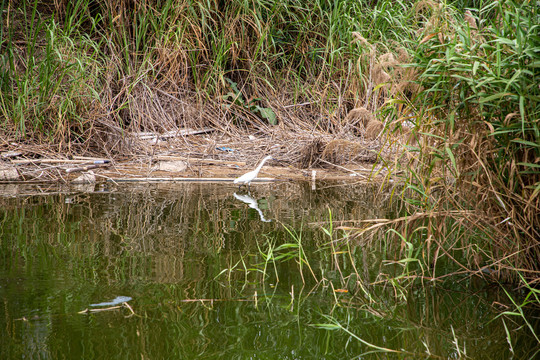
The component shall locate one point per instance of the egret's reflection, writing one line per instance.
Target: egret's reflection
(252, 204)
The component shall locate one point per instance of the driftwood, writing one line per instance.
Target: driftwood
(58, 161)
(85, 168)
(178, 179)
(173, 133)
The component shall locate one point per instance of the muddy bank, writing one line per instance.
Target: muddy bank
(201, 156)
(170, 168)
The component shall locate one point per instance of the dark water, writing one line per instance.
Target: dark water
(193, 258)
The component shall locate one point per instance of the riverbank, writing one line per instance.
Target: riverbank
(203, 154)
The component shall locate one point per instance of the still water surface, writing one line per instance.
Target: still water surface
(192, 259)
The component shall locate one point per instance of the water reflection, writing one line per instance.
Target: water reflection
(194, 260)
(252, 204)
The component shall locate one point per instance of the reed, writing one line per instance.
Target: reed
(478, 119)
(80, 75)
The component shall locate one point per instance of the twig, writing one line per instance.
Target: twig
(173, 133)
(85, 168)
(53, 161)
(344, 168)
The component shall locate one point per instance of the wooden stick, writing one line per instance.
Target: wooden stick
(177, 179)
(174, 133)
(211, 161)
(85, 168)
(88, 158)
(60, 161)
(48, 161)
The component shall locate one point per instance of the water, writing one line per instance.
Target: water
(190, 261)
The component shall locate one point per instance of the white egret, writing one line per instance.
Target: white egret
(248, 177)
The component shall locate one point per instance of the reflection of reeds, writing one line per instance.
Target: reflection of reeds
(162, 228)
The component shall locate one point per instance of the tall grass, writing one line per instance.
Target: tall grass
(74, 64)
(472, 174)
(48, 77)
(478, 117)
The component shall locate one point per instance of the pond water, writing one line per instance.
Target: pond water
(209, 272)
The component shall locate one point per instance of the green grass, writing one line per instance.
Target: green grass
(76, 65)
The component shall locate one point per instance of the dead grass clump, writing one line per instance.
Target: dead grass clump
(373, 129)
(359, 117)
(341, 151)
(379, 75)
(469, 18)
(310, 155)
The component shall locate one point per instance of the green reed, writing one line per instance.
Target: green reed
(478, 119)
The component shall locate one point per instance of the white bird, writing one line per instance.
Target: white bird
(248, 177)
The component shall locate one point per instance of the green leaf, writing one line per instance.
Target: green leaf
(327, 326)
(452, 159)
(494, 97)
(233, 85)
(529, 165)
(268, 114)
(525, 142)
(475, 67)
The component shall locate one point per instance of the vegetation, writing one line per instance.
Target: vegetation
(77, 73)
(456, 81)
(478, 116)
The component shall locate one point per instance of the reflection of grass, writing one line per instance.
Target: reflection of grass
(410, 288)
(333, 324)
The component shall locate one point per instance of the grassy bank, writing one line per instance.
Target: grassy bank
(79, 73)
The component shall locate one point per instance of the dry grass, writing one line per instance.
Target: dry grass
(340, 151)
(167, 84)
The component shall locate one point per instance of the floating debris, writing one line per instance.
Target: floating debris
(118, 300)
